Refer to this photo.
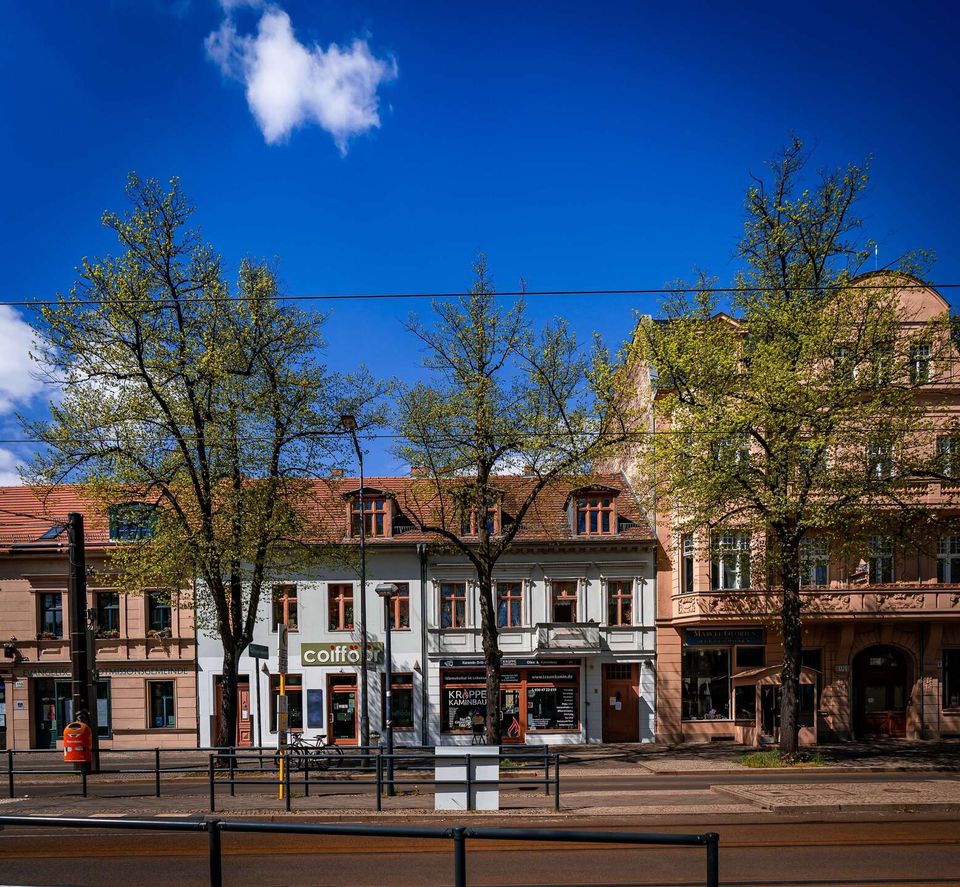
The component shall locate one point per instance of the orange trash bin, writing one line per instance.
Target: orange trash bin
(77, 743)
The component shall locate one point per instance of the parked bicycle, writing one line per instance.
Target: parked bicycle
(315, 753)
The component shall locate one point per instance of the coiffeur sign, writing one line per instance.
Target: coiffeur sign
(339, 654)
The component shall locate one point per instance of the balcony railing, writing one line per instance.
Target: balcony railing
(826, 602)
(569, 637)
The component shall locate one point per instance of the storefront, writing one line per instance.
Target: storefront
(537, 699)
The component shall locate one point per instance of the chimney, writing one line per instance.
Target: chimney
(336, 474)
(418, 471)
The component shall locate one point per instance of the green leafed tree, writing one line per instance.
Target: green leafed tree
(208, 404)
(501, 398)
(791, 418)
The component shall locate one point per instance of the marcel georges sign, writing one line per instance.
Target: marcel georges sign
(347, 653)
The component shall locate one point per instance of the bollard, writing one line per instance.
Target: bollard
(83, 778)
(556, 783)
(212, 787)
(216, 860)
(469, 777)
(379, 784)
(286, 785)
(713, 859)
(156, 771)
(10, 770)
(306, 777)
(459, 857)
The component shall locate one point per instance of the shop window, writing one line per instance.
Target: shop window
(159, 613)
(731, 561)
(553, 708)
(453, 605)
(880, 550)
(879, 459)
(564, 602)
(293, 690)
(51, 615)
(687, 564)
(706, 685)
(951, 678)
(63, 694)
(131, 521)
(108, 614)
(920, 364)
(948, 457)
(375, 517)
(509, 604)
(813, 562)
(340, 606)
(163, 704)
(751, 657)
(285, 606)
(620, 602)
(948, 559)
(400, 607)
(595, 516)
(402, 701)
(745, 703)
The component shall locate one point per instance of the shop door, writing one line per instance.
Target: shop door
(881, 678)
(48, 721)
(244, 734)
(342, 716)
(511, 720)
(621, 703)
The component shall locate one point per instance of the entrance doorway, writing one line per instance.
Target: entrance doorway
(244, 735)
(882, 676)
(621, 703)
(342, 714)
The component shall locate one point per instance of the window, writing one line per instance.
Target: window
(686, 578)
(285, 606)
(553, 708)
(509, 604)
(948, 559)
(813, 562)
(131, 521)
(51, 615)
(919, 364)
(813, 658)
(400, 607)
(843, 365)
(108, 614)
(471, 526)
(951, 678)
(620, 602)
(375, 522)
(731, 561)
(401, 701)
(293, 690)
(948, 457)
(564, 602)
(159, 613)
(745, 702)
(731, 452)
(340, 606)
(595, 516)
(453, 605)
(880, 459)
(706, 685)
(881, 560)
(751, 657)
(63, 692)
(163, 706)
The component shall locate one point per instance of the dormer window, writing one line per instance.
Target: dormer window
(595, 515)
(131, 521)
(375, 516)
(471, 524)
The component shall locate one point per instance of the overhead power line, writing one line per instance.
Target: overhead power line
(358, 297)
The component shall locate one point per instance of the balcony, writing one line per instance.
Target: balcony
(833, 602)
(568, 637)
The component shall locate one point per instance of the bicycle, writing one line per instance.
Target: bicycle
(315, 753)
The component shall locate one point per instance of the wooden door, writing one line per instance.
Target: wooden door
(244, 733)
(621, 703)
(881, 689)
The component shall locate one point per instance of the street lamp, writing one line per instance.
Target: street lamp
(349, 423)
(387, 590)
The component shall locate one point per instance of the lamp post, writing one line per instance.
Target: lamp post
(349, 423)
(387, 590)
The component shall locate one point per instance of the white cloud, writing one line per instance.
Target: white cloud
(289, 84)
(9, 476)
(18, 385)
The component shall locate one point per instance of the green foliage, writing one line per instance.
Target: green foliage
(773, 758)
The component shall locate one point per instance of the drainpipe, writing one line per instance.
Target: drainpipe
(424, 658)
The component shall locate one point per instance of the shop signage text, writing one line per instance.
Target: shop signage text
(724, 637)
(339, 654)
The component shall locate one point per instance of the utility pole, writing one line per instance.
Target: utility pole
(81, 657)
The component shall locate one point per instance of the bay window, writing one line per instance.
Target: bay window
(731, 561)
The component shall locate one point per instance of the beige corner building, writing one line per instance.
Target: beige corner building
(145, 644)
(881, 641)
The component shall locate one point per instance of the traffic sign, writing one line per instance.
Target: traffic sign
(258, 651)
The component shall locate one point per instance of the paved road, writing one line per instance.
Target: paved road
(786, 854)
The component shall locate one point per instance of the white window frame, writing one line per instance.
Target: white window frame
(730, 561)
(948, 559)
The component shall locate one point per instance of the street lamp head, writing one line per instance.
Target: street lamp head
(386, 590)
(349, 422)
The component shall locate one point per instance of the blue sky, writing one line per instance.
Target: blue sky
(579, 145)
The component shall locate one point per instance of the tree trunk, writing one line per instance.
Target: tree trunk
(227, 731)
(491, 657)
(792, 645)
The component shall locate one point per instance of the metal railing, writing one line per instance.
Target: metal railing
(458, 835)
